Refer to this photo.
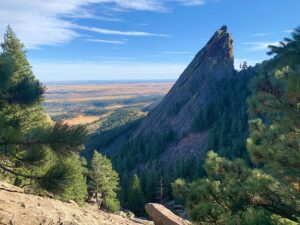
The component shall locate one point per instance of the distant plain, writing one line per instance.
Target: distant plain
(95, 103)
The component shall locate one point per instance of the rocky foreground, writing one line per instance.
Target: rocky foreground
(18, 208)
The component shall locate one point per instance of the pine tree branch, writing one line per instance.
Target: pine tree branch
(19, 174)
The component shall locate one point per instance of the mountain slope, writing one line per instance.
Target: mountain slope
(168, 135)
(205, 109)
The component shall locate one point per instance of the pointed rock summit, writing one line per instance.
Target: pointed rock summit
(192, 91)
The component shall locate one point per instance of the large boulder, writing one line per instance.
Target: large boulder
(163, 216)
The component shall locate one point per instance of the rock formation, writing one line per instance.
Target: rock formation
(193, 89)
(163, 216)
(192, 92)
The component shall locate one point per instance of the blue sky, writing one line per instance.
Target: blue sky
(139, 39)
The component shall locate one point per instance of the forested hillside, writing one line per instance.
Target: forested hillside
(206, 109)
(260, 185)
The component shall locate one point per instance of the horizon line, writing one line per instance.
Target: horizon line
(108, 81)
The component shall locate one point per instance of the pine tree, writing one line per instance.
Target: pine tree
(136, 198)
(275, 112)
(104, 182)
(30, 147)
(72, 184)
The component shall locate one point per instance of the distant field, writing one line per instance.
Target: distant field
(90, 92)
(81, 119)
(101, 104)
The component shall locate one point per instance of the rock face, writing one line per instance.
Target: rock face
(191, 93)
(163, 216)
(23, 209)
(192, 90)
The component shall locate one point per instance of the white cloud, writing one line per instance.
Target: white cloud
(260, 46)
(192, 2)
(47, 22)
(104, 70)
(259, 35)
(145, 5)
(117, 42)
(117, 32)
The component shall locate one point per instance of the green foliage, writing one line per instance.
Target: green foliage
(179, 190)
(33, 152)
(152, 145)
(275, 112)
(104, 182)
(104, 138)
(232, 193)
(136, 199)
(66, 179)
(225, 118)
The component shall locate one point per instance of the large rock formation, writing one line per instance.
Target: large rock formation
(193, 89)
(163, 216)
(19, 208)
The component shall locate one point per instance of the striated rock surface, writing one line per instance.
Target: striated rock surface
(163, 216)
(18, 208)
(193, 89)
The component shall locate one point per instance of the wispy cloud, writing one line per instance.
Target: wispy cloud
(260, 46)
(260, 35)
(49, 22)
(191, 2)
(142, 5)
(104, 41)
(118, 32)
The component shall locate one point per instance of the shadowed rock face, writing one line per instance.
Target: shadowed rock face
(193, 89)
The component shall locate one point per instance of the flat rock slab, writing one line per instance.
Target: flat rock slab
(163, 216)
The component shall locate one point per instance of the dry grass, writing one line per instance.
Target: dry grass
(81, 119)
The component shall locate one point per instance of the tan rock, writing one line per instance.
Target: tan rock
(19, 208)
(163, 216)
